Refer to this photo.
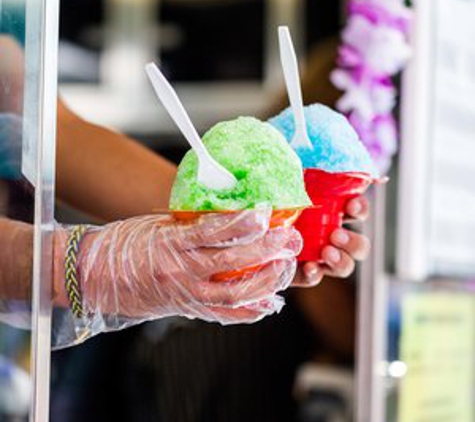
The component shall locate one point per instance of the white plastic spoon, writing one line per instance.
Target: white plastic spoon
(210, 173)
(292, 81)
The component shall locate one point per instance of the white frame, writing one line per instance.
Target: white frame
(371, 342)
(412, 254)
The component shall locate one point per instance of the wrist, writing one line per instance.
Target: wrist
(60, 241)
(63, 239)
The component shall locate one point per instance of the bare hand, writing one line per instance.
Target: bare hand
(339, 257)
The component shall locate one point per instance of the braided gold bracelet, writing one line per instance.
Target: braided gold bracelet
(73, 287)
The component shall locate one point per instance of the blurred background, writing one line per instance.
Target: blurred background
(221, 55)
(393, 344)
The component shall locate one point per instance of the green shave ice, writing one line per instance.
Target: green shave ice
(268, 171)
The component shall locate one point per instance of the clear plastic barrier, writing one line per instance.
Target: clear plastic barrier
(17, 204)
(27, 121)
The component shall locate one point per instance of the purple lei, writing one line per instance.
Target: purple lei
(374, 50)
(398, 16)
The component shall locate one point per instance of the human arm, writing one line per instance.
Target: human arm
(109, 175)
(152, 267)
(16, 260)
(99, 171)
(105, 173)
(12, 74)
(133, 180)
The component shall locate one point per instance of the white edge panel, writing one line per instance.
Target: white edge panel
(371, 333)
(44, 211)
(412, 224)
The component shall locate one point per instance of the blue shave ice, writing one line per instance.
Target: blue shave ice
(336, 146)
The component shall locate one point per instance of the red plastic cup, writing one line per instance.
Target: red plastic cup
(279, 218)
(329, 192)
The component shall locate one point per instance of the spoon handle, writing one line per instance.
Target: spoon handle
(175, 108)
(292, 77)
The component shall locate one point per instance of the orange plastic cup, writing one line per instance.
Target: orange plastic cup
(279, 218)
(329, 192)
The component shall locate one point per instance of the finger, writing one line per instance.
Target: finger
(339, 263)
(199, 265)
(274, 277)
(308, 275)
(277, 244)
(227, 316)
(269, 305)
(354, 244)
(247, 314)
(357, 208)
(220, 229)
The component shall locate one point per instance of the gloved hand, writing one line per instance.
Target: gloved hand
(10, 146)
(152, 267)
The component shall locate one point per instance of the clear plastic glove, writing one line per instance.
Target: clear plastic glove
(153, 267)
(10, 146)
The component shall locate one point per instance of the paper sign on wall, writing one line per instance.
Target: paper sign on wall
(437, 345)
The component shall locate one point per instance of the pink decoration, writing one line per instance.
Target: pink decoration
(374, 49)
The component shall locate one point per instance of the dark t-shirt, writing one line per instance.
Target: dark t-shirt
(197, 372)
